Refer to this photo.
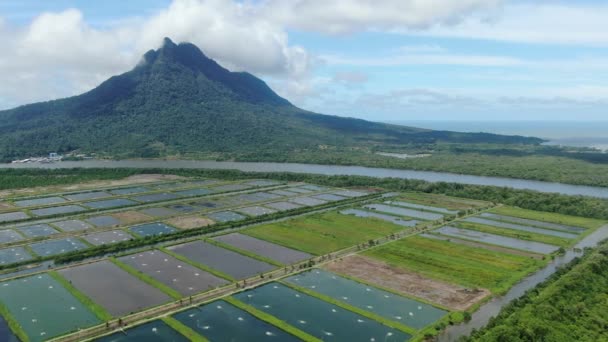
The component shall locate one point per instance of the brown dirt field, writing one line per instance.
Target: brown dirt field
(135, 179)
(129, 217)
(189, 222)
(377, 272)
(4, 205)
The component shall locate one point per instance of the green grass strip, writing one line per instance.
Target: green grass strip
(198, 265)
(13, 324)
(272, 320)
(184, 330)
(98, 310)
(147, 279)
(244, 252)
(345, 306)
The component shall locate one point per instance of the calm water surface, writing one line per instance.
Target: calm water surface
(429, 176)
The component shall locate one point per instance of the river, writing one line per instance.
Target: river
(429, 176)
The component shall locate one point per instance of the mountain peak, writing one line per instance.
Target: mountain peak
(168, 42)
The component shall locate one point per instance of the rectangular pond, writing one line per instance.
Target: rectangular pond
(37, 230)
(263, 182)
(231, 187)
(14, 216)
(178, 275)
(299, 190)
(226, 216)
(44, 308)
(151, 229)
(283, 206)
(113, 288)
(222, 321)
(54, 247)
(316, 317)
(423, 215)
(165, 196)
(64, 209)
(9, 235)
(349, 193)
(307, 201)
(396, 308)
(184, 208)
(329, 197)
(72, 225)
(536, 223)
(514, 226)
(110, 203)
(231, 263)
(255, 211)
(103, 221)
(267, 249)
(155, 331)
(158, 212)
(130, 191)
(40, 201)
(13, 254)
(313, 187)
(423, 207)
(282, 192)
(383, 217)
(88, 195)
(193, 192)
(493, 239)
(109, 237)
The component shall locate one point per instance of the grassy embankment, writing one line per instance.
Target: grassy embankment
(459, 264)
(323, 233)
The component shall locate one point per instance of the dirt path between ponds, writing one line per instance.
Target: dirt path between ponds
(373, 271)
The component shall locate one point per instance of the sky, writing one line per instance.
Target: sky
(383, 60)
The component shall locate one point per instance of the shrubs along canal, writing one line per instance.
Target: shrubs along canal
(318, 318)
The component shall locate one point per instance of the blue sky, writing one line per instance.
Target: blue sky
(382, 60)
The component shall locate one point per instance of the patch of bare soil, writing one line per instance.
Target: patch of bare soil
(131, 180)
(373, 271)
(189, 222)
(129, 217)
(5, 205)
(135, 179)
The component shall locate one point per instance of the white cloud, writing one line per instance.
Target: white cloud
(425, 59)
(59, 54)
(346, 16)
(570, 22)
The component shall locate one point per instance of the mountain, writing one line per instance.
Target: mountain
(179, 101)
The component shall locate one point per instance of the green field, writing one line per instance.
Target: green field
(467, 266)
(517, 234)
(323, 233)
(442, 201)
(576, 221)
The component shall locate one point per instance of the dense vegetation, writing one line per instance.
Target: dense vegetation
(179, 102)
(569, 306)
(533, 200)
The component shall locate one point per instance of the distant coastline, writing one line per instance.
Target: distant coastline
(566, 133)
